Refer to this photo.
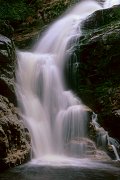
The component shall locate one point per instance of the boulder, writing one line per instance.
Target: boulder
(85, 148)
(7, 68)
(14, 138)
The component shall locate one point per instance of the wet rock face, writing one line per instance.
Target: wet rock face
(100, 53)
(14, 139)
(102, 18)
(98, 71)
(81, 147)
(7, 68)
(99, 46)
(85, 148)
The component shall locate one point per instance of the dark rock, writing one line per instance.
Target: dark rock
(25, 40)
(14, 144)
(99, 47)
(100, 56)
(6, 29)
(98, 71)
(7, 68)
(102, 18)
(14, 139)
(111, 122)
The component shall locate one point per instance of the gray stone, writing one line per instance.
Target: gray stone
(14, 142)
(7, 68)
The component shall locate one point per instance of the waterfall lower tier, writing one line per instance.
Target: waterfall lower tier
(54, 116)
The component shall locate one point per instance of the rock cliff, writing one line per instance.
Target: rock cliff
(14, 138)
(96, 78)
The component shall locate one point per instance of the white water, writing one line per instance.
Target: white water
(103, 139)
(110, 3)
(55, 117)
(116, 153)
(58, 37)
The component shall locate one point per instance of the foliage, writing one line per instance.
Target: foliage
(21, 10)
(14, 10)
(50, 9)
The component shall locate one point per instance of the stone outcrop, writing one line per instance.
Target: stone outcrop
(14, 137)
(84, 147)
(98, 70)
(7, 68)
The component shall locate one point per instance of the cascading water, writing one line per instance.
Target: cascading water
(103, 139)
(56, 118)
(110, 3)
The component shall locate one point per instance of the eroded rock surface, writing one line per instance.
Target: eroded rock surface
(14, 138)
(84, 147)
(7, 68)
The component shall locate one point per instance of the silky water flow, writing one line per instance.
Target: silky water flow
(109, 3)
(55, 117)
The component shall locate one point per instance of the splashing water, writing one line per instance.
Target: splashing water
(103, 139)
(56, 118)
(110, 3)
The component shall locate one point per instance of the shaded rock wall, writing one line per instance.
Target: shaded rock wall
(98, 71)
(14, 140)
(7, 68)
(14, 137)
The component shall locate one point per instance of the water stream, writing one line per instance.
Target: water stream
(56, 118)
(110, 3)
(103, 139)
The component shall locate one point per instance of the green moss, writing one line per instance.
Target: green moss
(26, 10)
(14, 11)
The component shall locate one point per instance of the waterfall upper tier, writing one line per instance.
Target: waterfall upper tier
(110, 3)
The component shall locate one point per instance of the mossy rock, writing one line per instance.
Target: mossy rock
(102, 18)
(97, 77)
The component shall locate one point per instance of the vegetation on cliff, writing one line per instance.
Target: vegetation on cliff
(19, 11)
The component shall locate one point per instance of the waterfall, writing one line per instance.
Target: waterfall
(55, 117)
(110, 3)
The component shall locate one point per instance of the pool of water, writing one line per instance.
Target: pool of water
(59, 169)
